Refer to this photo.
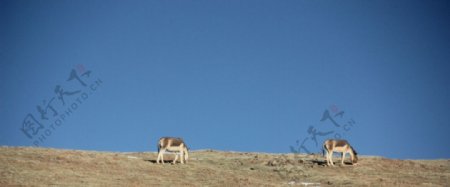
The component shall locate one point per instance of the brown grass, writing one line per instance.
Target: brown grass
(27, 166)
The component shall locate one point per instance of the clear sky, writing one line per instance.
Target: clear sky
(228, 75)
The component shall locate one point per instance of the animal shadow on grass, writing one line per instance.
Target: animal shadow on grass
(151, 160)
(336, 163)
(320, 162)
(166, 161)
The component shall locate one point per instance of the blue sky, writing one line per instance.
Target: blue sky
(227, 75)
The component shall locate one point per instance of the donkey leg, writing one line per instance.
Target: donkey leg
(175, 160)
(186, 155)
(328, 158)
(343, 158)
(159, 157)
(162, 155)
(331, 158)
(182, 156)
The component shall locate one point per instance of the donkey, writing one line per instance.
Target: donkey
(171, 144)
(342, 146)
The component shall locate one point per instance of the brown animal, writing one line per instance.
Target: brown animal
(171, 144)
(342, 146)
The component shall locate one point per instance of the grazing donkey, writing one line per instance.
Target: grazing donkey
(342, 146)
(171, 144)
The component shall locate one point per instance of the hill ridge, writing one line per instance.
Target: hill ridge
(69, 167)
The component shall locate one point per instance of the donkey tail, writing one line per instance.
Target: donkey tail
(158, 146)
(323, 150)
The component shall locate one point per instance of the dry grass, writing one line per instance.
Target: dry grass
(26, 166)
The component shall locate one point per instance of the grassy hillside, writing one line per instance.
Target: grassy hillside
(43, 167)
